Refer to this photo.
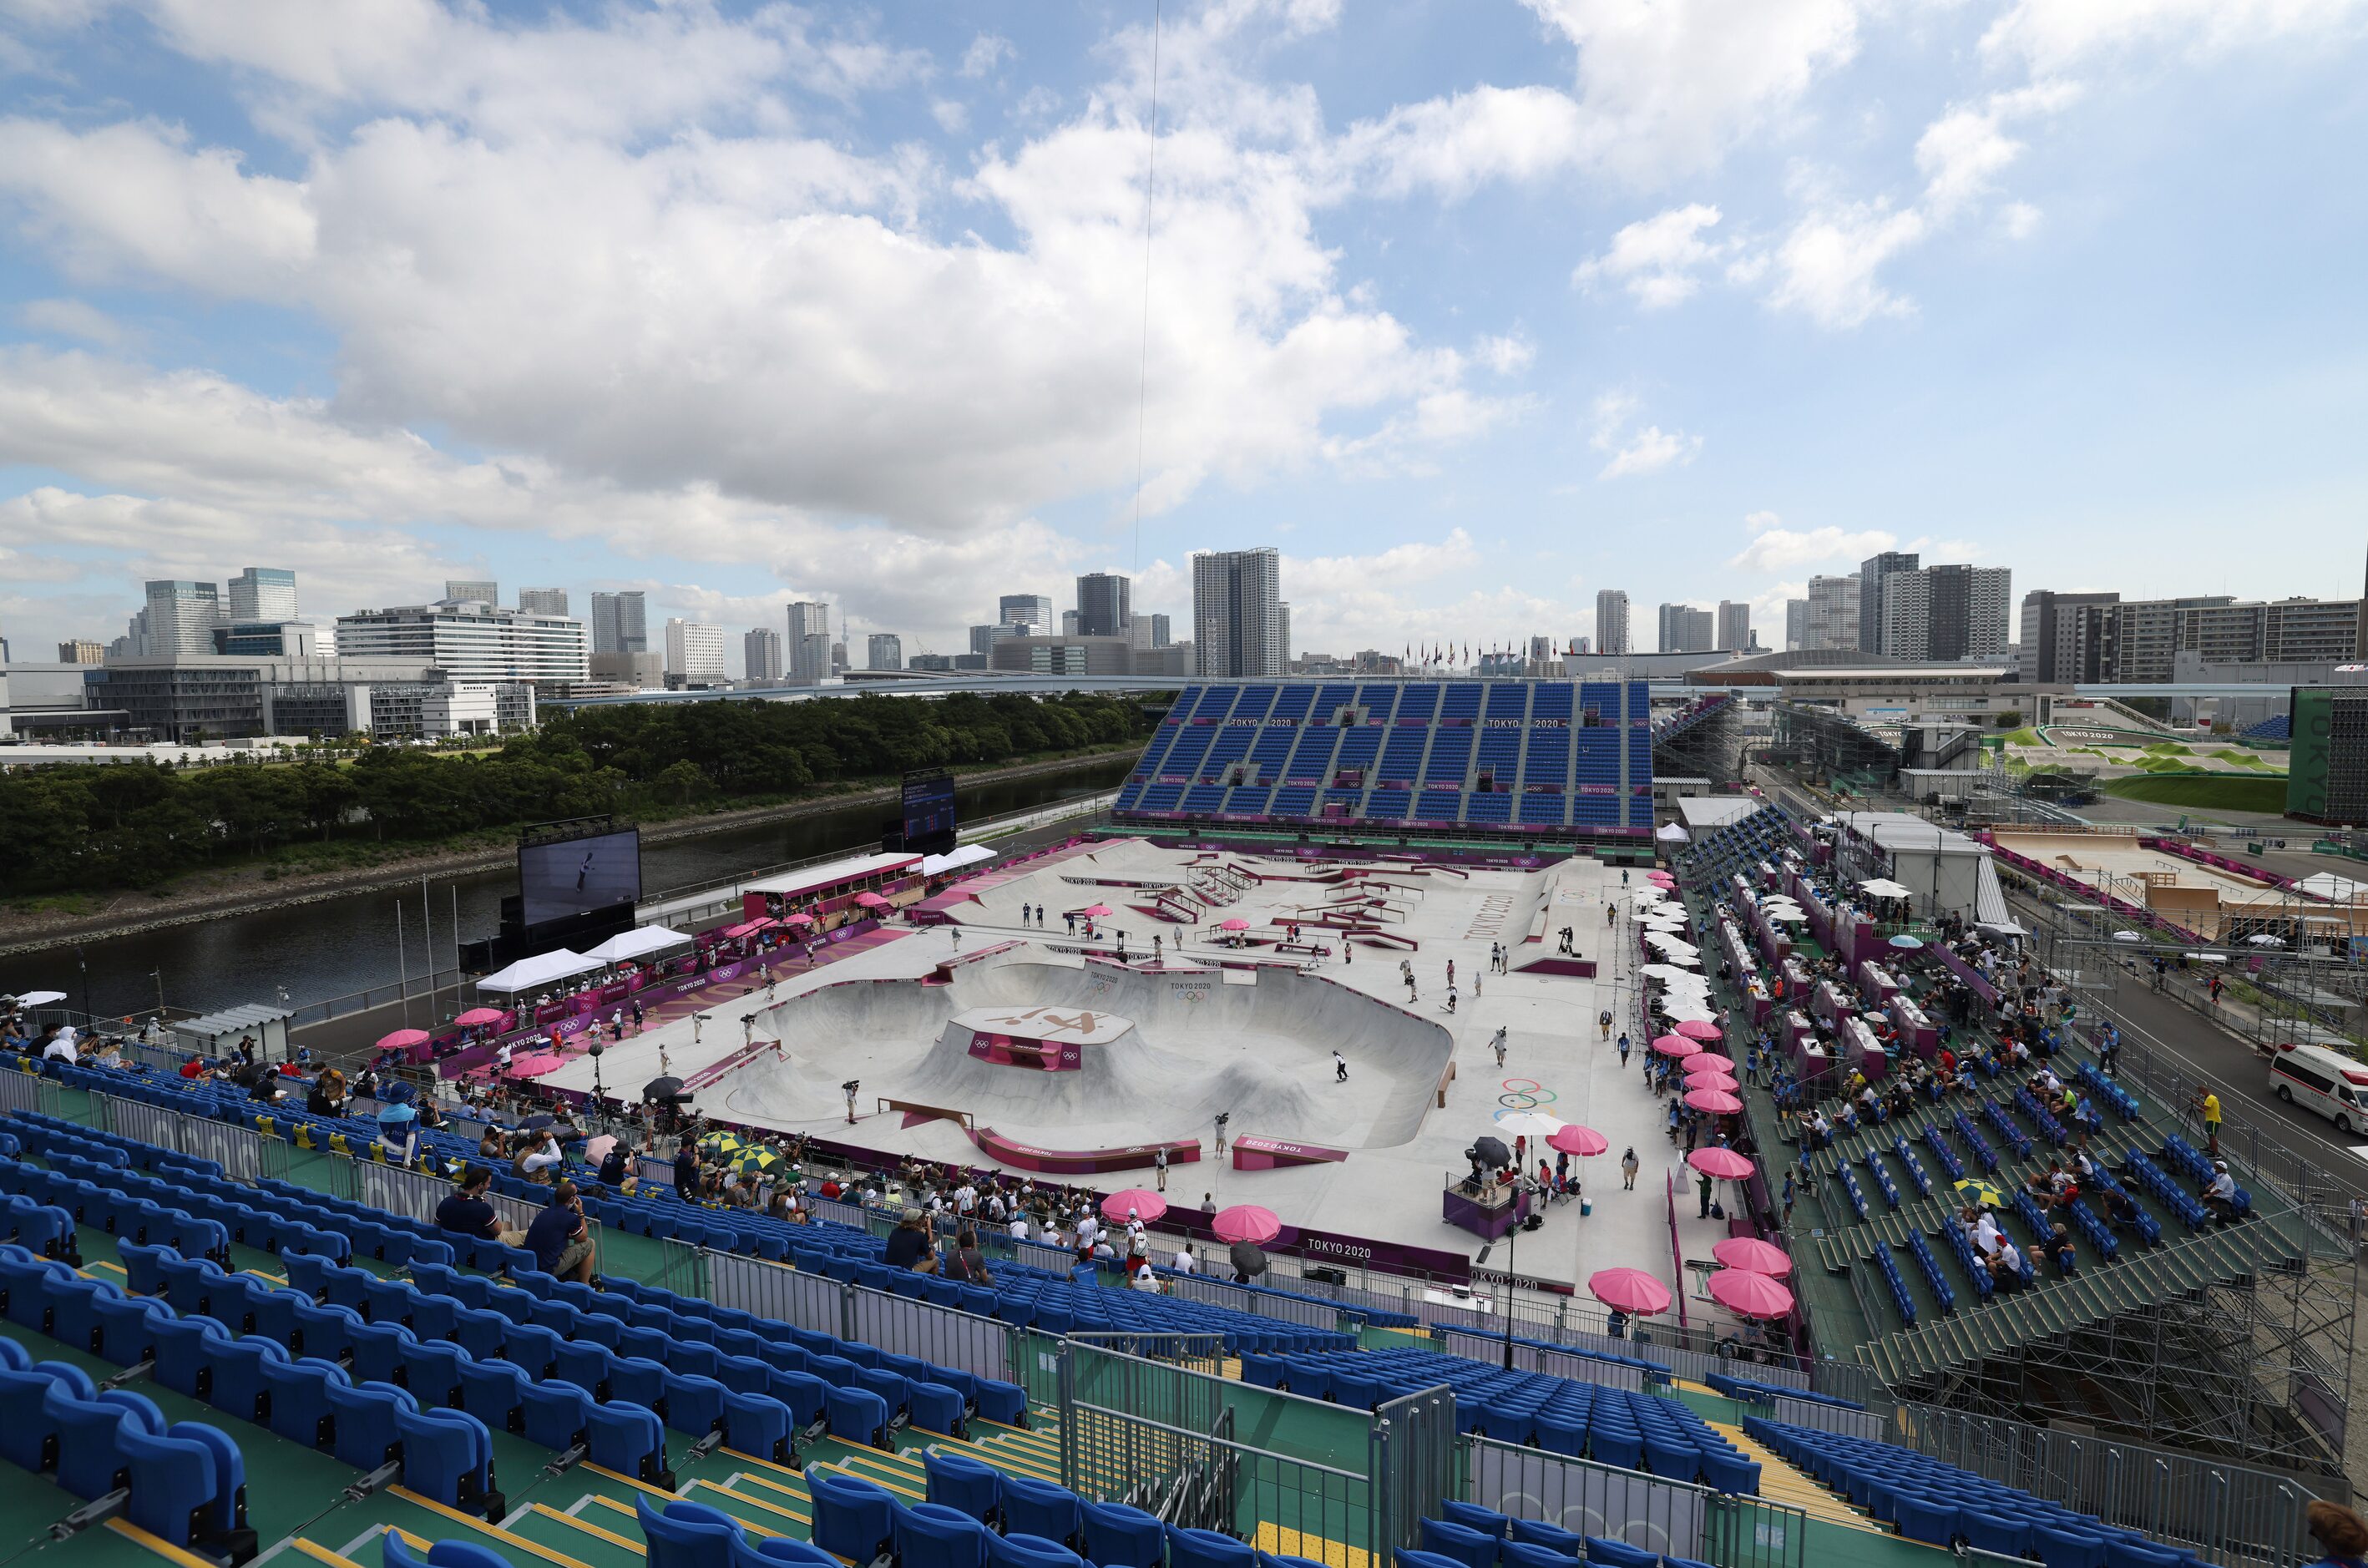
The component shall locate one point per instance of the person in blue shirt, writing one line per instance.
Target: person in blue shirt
(560, 1240)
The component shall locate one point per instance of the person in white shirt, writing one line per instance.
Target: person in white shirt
(545, 1156)
(501, 1061)
(1020, 1227)
(1088, 1228)
(2222, 1193)
(1986, 1231)
(1143, 1279)
(965, 1200)
(1184, 1262)
(60, 1049)
(996, 1210)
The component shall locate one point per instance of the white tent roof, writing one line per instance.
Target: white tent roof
(634, 944)
(1881, 887)
(539, 970)
(2327, 885)
(968, 855)
(1671, 833)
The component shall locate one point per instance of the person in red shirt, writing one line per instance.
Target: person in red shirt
(195, 1067)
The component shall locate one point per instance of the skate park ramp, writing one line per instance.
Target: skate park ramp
(1199, 1045)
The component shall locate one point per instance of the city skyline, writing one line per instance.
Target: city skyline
(1514, 303)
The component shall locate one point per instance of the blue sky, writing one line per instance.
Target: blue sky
(1472, 307)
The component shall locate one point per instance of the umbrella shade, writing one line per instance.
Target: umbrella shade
(1718, 1102)
(1096, 910)
(403, 1039)
(1246, 1223)
(1629, 1291)
(1698, 1031)
(1883, 887)
(534, 1066)
(1724, 1163)
(41, 998)
(750, 928)
(538, 1121)
(1576, 1140)
(754, 1160)
(662, 1088)
(1905, 943)
(1788, 917)
(1662, 879)
(1235, 923)
(1527, 1123)
(1684, 1008)
(1676, 1045)
(1710, 1064)
(1751, 1253)
(797, 920)
(869, 900)
(1672, 834)
(1650, 916)
(2266, 940)
(1493, 1151)
(476, 1016)
(596, 1149)
(1247, 1260)
(720, 1143)
(1750, 1295)
(1664, 970)
(2127, 937)
(1147, 1205)
(1973, 1190)
(1719, 1081)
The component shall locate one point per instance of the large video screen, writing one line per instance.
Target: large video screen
(929, 813)
(576, 876)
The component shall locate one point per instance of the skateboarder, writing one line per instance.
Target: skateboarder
(1497, 1045)
(1339, 1067)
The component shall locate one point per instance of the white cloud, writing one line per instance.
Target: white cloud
(1825, 264)
(986, 51)
(1962, 154)
(73, 318)
(2051, 35)
(1775, 548)
(1506, 356)
(1453, 145)
(1635, 449)
(1655, 258)
(2021, 220)
(951, 116)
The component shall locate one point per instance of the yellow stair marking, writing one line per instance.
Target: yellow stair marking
(1691, 1387)
(102, 1263)
(1298, 1543)
(544, 1510)
(752, 1459)
(627, 1510)
(881, 1479)
(1783, 1482)
(723, 1491)
(157, 1544)
(1000, 1460)
(531, 1548)
(1049, 1466)
(637, 1486)
(320, 1553)
(804, 1497)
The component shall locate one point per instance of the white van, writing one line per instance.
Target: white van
(2327, 1082)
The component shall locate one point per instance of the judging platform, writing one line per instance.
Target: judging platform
(1047, 1040)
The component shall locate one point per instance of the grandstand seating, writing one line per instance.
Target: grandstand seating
(1503, 755)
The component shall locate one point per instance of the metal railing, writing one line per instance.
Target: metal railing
(1674, 1518)
(244, 1155)
(423, 987)
(28, 1091)
(943, 1337)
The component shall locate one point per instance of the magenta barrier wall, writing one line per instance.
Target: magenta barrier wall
(2119, 906)
(1083, 1162)
(1966, 973)
(1256, 1154)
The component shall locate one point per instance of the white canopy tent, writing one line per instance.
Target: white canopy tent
(1883, 887)
(1670, 833)
(968, 855)
(539, 970)
(637, 943)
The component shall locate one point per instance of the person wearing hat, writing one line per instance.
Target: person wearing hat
(908, 1246)
(2220, 1194)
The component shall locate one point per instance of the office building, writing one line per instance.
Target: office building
(931, 663)
(189, 699)
(1069, 622)
(807, 646)
(694, 652)
(263, 592)
(1872, 573)
(1282, 632)
(1685, 630)
(1162, 634)
(543, 601)
(1239, 625)
(2059, 643)
(1104, 607)
(1796, 624)
(277, 639)
(1830, 613)
(80, 650)
(1945, 614)
(1734, 626)
(473, 590)
(1033, 611)
(1612, 621)
(883, 650)
(471, 640)
(178, 618)
(634, 672)
(760, 654)
(983, 638)
(838, 658)
(621, 623)
(1064, 656)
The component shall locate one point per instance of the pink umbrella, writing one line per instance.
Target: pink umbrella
(797, 920)
(1246, 1223)
(1235, 923)
(1147, 1205)
(1724, 1163)
(596, 1149)
(1719, 1081)
(403, 1039)
(1096, 910)
(1660, 879)
(1759, 1256)
(1676, 1045)
(534, 1066)
(749, 927)
(1714, 1100)
(1573, 1139)
(1750, 1295)
(1698, 1030)
(1709, 1063)
(476, 1016)
(869, 900)
(1629, 1291)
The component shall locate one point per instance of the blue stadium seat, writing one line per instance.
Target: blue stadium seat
(853, 1519)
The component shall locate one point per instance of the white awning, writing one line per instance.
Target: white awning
(1879, 887)
(968, 855)
(1671, 833)
(637, 943)
(539, 970)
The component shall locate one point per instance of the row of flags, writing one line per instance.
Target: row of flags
(1461, 653)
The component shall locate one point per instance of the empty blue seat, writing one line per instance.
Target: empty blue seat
(930, 1535)
(1620, 1554)
(1113, 1535)
(859, 1417)
(1028, 1551)
(1459, 1542)
(628, 1439)
(125, 1333)
(1554, 1537)
(694, 1406)
(495, 1393)
(185, 1348)
(688, 1535)
(442, 1554)
(934, 1407)
(1207, 1549)
(961, 1482)
(1926, 1519)
(364, 1419)
(238, 1384)
(554, 1414)
(587, 1365)
(2068, 1548)
(299, 1396)
(90, 1458)
(759, 1425)
(1528, 1554)
(852, 1518)
(379, 1349)
(188, 1484)
(325, 1331)
(448, 1456)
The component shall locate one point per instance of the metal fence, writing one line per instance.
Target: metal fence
(943, 1337)
(1263, 1303)
(1415, 1454)
(244, 1153)
(2246, 1518)
(1819, 1416)
(1672, 1517)
(1528, 1358)
(29, 1092)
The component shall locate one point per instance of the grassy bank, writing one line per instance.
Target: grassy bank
(2203, 792)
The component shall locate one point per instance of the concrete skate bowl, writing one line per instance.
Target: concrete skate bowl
(1194, 1046)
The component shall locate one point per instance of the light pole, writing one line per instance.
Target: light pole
(82, 964)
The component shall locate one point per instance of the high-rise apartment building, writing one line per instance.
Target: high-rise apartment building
(1103, 605)
(621, 623)
(1612, 621)
(1734, 626)
(883, 650)
(1068, 623)
(1871, 575)
(2060, 643)
(81, 650)
(179, 618)
(807, 647)
(472, 641)
(1239, 624)
(543, 601)
(263, 592)
(1033, 610)
(694, 651)
(760, 654)
(473, 590)
(1945, 614)
(1685, 630)
(1796, 624)
(1162, 635)
(1830, 613)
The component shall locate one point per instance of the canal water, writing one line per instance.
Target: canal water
(338, 946)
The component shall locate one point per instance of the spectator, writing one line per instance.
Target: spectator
(2339, 1533)
(686, 1172)
(614, 1164)
(2220, 1194)
(467, 1213)
(1143, 1278)
(560, 1240)
(966, 1263)
(909, 1246)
